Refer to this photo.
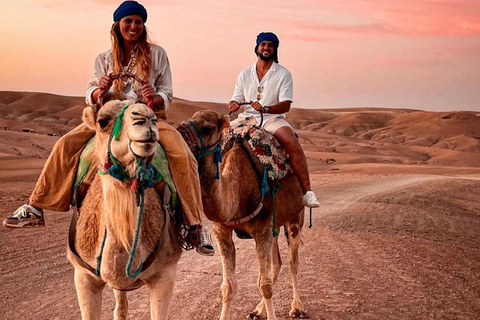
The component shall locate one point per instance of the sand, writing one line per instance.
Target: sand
(396, 237)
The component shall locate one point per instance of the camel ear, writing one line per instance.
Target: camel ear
(89, 117)
(224, 122)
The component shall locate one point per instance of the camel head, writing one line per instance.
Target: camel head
(125, 130)
(204, 131)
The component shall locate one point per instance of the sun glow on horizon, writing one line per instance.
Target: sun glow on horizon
(411, 54)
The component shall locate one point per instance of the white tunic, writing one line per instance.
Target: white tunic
(160, 77)
(276, 86)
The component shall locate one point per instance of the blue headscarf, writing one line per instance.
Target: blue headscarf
(269, 36)
(130, 8)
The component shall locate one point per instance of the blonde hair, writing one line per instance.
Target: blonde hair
(143, 57)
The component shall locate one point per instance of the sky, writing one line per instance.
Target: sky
(418, 54)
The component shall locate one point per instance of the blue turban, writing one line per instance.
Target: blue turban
(130, 8)
(269, 36)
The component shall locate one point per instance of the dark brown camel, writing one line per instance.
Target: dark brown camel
(236, 195)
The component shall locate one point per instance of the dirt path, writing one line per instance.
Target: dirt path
(382, 247)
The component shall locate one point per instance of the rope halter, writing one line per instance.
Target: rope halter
(200, 150)
(145, 173)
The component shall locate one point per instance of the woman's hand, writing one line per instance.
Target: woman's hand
(105, 83)
(148, 92)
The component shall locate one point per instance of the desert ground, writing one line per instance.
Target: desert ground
(397, 235)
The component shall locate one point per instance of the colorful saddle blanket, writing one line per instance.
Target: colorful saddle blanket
(264, 150)
(160, 162)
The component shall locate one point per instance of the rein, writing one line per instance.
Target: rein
(124, 76)
(214, 148)
(145, 175)
(260, 111)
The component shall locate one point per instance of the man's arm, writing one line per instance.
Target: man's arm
(279, 108)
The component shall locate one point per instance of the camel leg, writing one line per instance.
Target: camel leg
(294, 232)
(161, 292)
(89, 293)
(264, 245)
(227, 253)
(260, 312)
(121, 305)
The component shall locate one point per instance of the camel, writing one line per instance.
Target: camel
(229, 200)
(106, 229)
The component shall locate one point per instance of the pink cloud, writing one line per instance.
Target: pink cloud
(414, 18)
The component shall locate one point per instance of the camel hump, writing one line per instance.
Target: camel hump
(263, 148)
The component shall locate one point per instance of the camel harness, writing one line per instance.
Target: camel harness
(145, 175)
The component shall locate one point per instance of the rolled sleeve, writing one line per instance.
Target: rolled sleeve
(99, 70)
(286, 88)
(162, 76)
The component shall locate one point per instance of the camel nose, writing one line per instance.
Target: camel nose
(153, 133)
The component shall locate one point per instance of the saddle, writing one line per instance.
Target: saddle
(264, 150)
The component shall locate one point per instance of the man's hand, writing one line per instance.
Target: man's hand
(234, 106)
(256, 105)
(148, 91)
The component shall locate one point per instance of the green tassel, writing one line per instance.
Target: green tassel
(118, 124)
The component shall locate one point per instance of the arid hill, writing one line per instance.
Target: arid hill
(336, 136)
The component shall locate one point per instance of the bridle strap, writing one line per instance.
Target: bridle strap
(214, 148)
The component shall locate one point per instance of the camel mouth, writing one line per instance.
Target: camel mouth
(144, 148)
(151, 140)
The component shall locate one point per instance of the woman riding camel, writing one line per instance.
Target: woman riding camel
(133, 54)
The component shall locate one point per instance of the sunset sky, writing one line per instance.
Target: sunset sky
(420, 54)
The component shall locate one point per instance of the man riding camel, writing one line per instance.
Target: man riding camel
(268, 87)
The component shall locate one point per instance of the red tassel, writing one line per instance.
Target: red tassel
(134, 185)
(107, 164)
(150, 102)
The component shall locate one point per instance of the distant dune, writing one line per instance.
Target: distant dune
(330, 136)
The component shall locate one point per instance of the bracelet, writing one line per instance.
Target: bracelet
(266, 109)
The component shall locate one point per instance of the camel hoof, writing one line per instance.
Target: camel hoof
(298, 314)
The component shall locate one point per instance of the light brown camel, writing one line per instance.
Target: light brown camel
(236, 195)
(110, 207)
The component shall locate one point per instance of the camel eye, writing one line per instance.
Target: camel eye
(139, 123)
(206, 130)
(103, 122)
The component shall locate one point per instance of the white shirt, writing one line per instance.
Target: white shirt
(276, 86)
(160, 77)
